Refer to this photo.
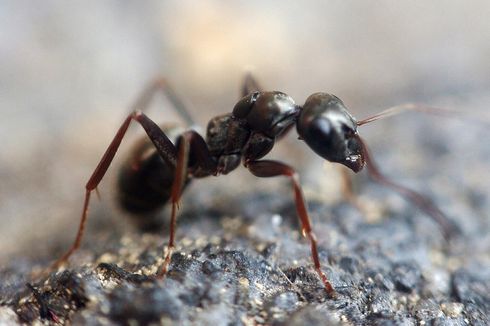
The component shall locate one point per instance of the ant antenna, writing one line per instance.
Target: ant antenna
(395, 110)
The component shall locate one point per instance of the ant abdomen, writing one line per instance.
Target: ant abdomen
(145, 180)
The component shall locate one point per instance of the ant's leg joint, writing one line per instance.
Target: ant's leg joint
(137, 113)
(310, 235)
(295, 177)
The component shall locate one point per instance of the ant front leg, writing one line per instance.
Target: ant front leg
(448, 228)
(349, 194)
(267, 168)
(164, 146)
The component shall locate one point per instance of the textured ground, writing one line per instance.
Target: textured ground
(68, 72)
(241, 260)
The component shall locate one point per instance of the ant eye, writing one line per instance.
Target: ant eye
(347, 130)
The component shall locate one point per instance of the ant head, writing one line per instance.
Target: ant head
(330, 131)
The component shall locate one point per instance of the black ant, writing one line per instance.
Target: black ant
(158, 169)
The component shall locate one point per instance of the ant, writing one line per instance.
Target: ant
(158, 170)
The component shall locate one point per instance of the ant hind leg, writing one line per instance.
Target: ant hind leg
(164, 146)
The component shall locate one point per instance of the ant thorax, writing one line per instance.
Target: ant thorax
(226, 138)
(249, 132)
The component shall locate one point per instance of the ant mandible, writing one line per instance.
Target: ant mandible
(158, 169)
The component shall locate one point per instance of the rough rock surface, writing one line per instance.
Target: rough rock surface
(244, 261)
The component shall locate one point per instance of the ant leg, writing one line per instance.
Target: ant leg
(179, 180)
(347, 187)
(448, 228)
(250, 85)
(187, 142)
(160, 84)
(163, 145)
(348, 192)
(267, 168)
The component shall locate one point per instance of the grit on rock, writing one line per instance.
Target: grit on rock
(244, 262)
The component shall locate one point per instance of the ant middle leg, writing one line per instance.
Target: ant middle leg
(164, 146)
(190, 142)
(268, 168)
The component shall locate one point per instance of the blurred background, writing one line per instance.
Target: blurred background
(70, 70)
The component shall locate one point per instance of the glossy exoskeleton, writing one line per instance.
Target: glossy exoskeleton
(158, 169)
